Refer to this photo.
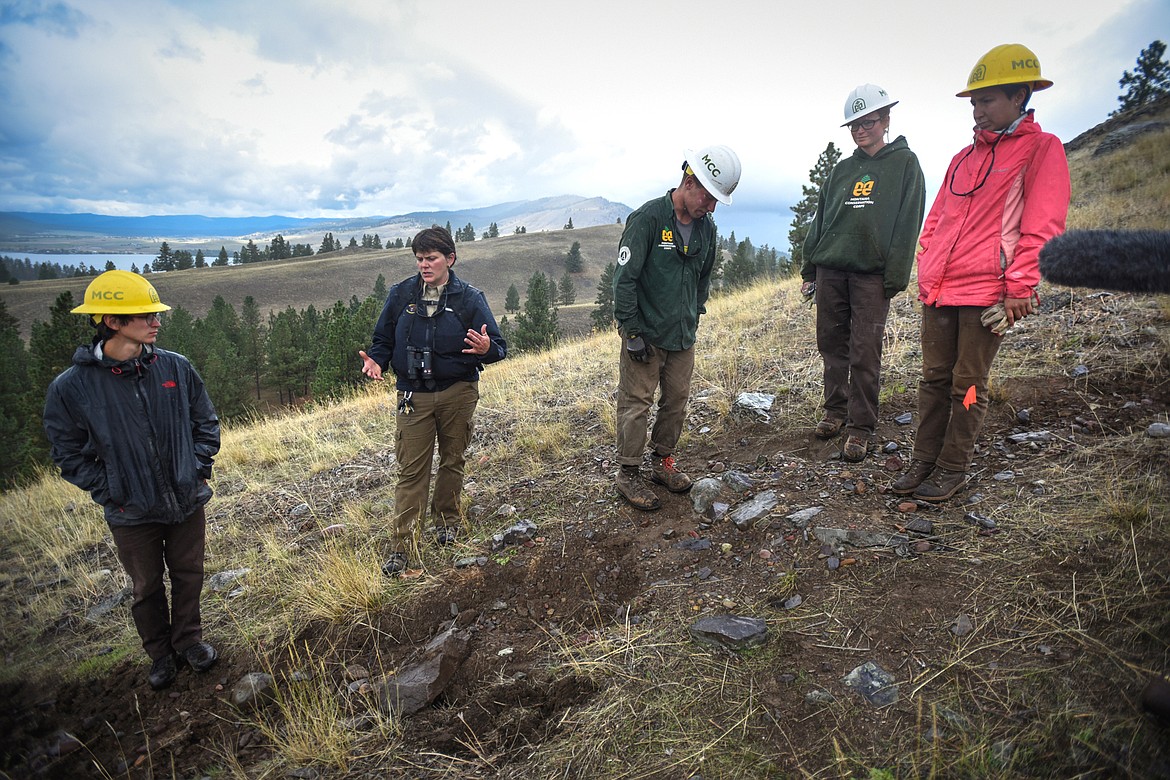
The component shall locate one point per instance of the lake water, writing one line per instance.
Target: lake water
(121, 261)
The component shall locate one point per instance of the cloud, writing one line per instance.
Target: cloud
(229, 107)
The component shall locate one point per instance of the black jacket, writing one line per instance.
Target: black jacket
(403, 324)
(140, 435)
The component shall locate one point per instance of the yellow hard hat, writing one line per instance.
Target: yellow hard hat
(120, 292)
(1008, 63)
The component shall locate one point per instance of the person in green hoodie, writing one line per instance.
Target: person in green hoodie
(857, 256)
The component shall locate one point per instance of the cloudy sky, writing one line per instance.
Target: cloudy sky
(316, 108)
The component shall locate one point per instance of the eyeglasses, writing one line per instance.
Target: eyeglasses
(862, 124)
(154, 317)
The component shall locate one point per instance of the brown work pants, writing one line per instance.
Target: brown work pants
(670, 373)
(446, 417)
(146, 551)
(957, 352)
(851, 324)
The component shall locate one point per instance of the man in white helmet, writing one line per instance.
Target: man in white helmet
(132, 424)
(660, 288)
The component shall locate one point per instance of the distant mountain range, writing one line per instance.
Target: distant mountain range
(22, 230)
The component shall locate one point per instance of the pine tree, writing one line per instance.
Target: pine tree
(222, 258)
(536, 326)
(165, 261)
(567, 290)
(806, 209)
(573, 261)
(493, 231)
(1149, 81)
(741, 269)
(183, 260)
(602, 316)
(569, 224)
(51, 344)
(252, 337)
(19, 421)
(200, 260)
(512, 300)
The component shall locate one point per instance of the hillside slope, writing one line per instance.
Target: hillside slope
(491, 265)
(1008, 634)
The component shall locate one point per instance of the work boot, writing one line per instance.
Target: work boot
(162, 672)
(909, 482)
(855, 449)
(941, 485)
(664, 472)
(395, 564)
(633, 488)
(200, 656)
(445, 536)
(828, 428)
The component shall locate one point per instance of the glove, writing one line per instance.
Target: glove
(638, 350)
(994, 318)
(809, 291)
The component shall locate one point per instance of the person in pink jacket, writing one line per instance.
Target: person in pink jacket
(1002, 198)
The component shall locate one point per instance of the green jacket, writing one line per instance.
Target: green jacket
(868, 217)
(659, 290)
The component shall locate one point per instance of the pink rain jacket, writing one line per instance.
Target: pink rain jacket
(978, 249)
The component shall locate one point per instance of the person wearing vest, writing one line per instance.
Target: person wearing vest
(436, 333)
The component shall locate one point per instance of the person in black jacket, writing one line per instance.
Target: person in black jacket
(436, 332)
(133, 425)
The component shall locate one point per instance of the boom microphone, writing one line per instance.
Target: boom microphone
(1135, 261)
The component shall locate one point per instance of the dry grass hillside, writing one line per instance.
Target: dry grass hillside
(1018, 624)
(491, 265)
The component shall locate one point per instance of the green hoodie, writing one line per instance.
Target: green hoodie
(868, 217)
(659, 290)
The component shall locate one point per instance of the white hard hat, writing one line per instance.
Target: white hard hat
(717, 169)
(865, 100)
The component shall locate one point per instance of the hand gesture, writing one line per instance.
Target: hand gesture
(370, 366)
(478, 342)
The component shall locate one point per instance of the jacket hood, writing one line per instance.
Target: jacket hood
(91, 355)
(1025, 125)
(893, 147)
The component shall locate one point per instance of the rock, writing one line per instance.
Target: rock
(1004, 476)
(1079, 371)
(417, 686)
(921, 526)
(746, 515)
(252, 690)
(356, 672)
(738, 481)
(1156, 698)
(874, 683)
(819, 697)
(1030, 437)
(479, 560)
(694, 545)
(922, 546)
(801, 518)
(300, 510)
(833, 563)
(518, 534)
(979, 520)
(856, 537)
(222, 580)
(1158, 430)
(962, 626)
(890, 447)
(703, 494)
(1024, 416)
(731, 631)
(718, 510)
(759, 403)
(908, 506)
(905, 418)
(1124, 136)
(108, 604)
(703, 573)
(792, 602)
